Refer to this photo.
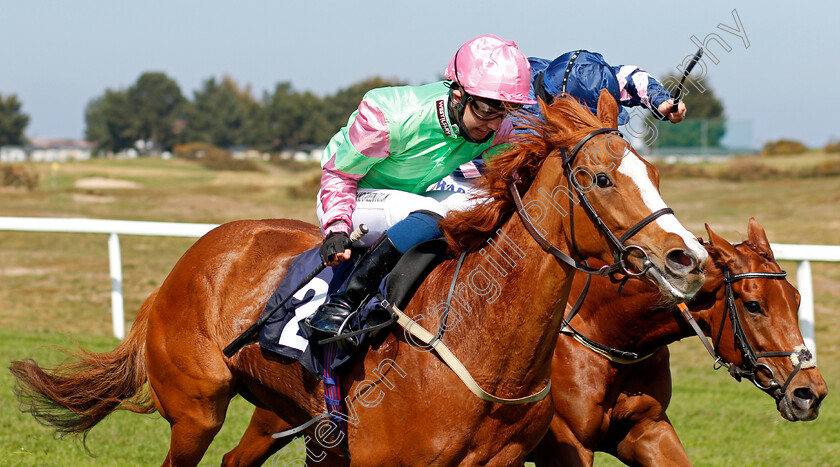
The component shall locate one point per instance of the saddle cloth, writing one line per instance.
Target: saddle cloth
(286, 334)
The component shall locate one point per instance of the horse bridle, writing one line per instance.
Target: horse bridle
(619, 250)
(751, 367)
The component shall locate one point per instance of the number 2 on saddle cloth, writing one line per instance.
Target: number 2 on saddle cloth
(284, 332)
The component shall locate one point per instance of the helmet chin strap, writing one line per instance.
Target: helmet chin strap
(456, 114)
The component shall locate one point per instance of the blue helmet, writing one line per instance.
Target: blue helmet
(581, 74)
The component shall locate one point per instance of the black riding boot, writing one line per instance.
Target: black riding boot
(363, 281)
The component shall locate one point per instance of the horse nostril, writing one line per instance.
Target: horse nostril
(680, 257)
(804, 396)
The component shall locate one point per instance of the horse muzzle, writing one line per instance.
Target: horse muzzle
(678, 273)
(800, 404)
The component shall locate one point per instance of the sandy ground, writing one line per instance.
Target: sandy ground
(99, 182)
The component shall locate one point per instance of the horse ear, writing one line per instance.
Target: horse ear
(556, 119)
(757, 237)
(721, 248)
(607, 109)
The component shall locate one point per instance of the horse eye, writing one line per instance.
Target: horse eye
(602, 180)
(752, 307)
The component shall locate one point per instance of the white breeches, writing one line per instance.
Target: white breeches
(380, 209)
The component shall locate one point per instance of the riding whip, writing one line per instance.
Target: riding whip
(688, 69)
(252, 331)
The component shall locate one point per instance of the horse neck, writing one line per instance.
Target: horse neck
(709, 305)
(512, 296)
(636, 320)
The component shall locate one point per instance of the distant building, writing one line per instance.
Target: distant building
(304, 153)
(47, 150)
(59, 150)
(244, 152)
(10, 154)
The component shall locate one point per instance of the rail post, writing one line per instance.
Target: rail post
(115, 266)
(806, 304)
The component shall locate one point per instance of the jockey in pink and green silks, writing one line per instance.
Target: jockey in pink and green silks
(401, 140)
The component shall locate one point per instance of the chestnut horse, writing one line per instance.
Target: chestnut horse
(403, 405)
(619, 408)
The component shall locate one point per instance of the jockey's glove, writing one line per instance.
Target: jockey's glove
(336, 242)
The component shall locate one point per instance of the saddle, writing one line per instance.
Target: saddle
(285, 334)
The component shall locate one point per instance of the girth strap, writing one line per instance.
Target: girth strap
(452, 361)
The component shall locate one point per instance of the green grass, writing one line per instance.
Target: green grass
(55, 286)
(124, 438)
(722, 422)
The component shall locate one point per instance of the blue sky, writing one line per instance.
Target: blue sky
(56, 55)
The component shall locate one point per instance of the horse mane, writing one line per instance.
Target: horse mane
(566, 123)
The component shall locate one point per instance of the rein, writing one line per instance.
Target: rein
(622, 357)
(620, 251)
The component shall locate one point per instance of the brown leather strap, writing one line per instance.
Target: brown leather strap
(542, 241)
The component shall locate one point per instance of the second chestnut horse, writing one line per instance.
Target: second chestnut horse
(619, 408)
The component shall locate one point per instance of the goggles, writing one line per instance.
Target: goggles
(489, 109)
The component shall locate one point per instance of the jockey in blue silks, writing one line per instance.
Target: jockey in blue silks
(582, 75)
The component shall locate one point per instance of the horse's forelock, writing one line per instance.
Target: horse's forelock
(744, 249)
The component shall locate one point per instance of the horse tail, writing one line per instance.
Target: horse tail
(79, 393)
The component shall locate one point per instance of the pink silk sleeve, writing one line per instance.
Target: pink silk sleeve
(338, 198)
(369, 131)
(622, 75)
(367, 143)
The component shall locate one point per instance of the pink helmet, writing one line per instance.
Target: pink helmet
(494, 68)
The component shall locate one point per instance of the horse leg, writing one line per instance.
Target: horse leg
(195, 417)
(257, 445)
(560, 447)
(192, 387)
(195, 420)
(652, 442)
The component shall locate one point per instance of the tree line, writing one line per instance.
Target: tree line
(154, 111)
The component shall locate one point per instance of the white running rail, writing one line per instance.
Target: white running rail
(802, 254)
(113, 228)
